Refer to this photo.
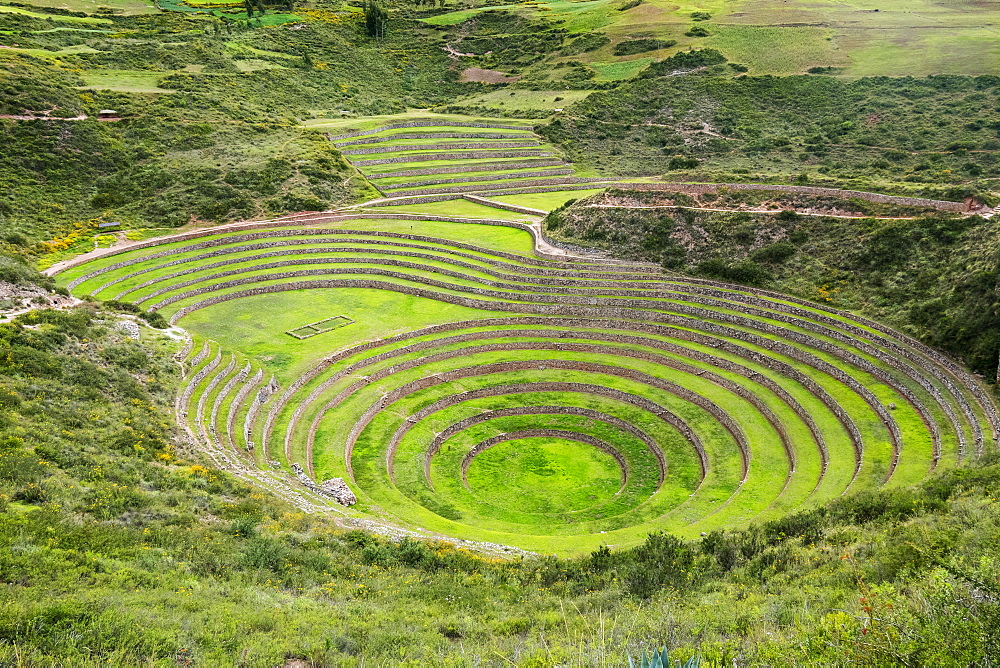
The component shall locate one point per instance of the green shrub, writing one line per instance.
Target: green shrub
(774, 254)
(585, 43)
(633, 46)
(681, 162)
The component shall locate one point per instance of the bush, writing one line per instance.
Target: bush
(633, 46)
(774, 254)
(14, 271)
(154, 319)
(697, 31)
(748, 271)
(585, 43)
(681, 162)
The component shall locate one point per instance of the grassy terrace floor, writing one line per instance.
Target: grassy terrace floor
(607, 399)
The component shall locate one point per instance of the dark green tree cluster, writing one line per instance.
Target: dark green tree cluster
(376, 19)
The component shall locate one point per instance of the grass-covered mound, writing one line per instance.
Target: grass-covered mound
(471, 362)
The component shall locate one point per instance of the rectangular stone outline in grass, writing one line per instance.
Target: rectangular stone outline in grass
(314, 328)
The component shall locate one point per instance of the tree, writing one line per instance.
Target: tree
(376, 19)
(248, 5)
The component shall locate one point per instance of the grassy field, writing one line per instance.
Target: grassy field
(125, 81)
(345, 125)
(93, 6)
(67, 19)
(898, 38)
(456, 207)
(545, 201)
(523, 99)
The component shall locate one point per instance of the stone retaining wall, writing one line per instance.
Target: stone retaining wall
(460, 155)
(396, 148)
(461, 169)
(782, 368)
(503, 367)
(203, 398)
(431, 123)
(430, 135)
(694, 311)
(185, 397)
(592, 311)
(541, 265)
(263, 394)
(239, 378)
(492, 177)
(183, 353)
(238, 400)
(528, 183)
(464, 424)
(543, 259)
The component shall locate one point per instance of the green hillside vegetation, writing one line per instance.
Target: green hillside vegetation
(120, 549)
(218, 142)
(868, 132)
(754, 426)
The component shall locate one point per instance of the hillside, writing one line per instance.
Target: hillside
(466, 333)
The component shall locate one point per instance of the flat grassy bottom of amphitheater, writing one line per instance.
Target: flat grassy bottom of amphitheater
(544, 475)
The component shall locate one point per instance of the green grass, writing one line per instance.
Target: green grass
(455, 207)
(789, 51)
(345, 125)
(625, 69)
(524, 99)
(512, 182)
(546, 475)
(471, 175)
(545, 201)
(443, 142)
(125, 81)
(897, 38)
(54, 17)
(54, 55)
(406, 166)
(392, 132)
(128, 7)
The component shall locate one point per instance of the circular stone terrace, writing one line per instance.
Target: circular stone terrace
(466, 383)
